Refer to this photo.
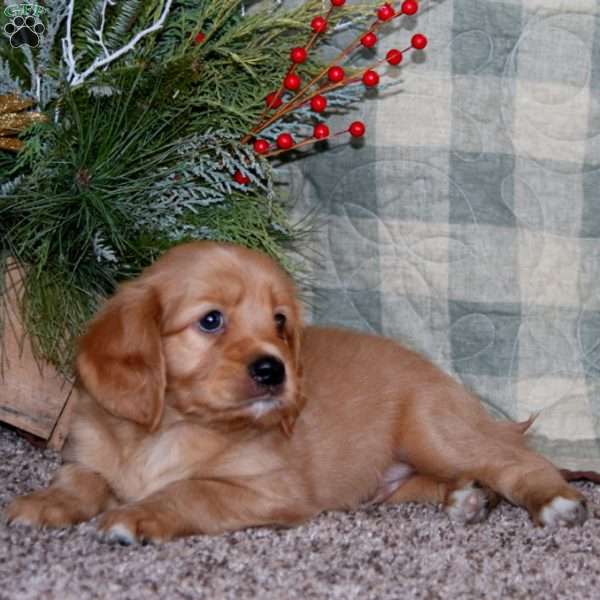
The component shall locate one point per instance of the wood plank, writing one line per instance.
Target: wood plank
(32, 394)
(60, 432)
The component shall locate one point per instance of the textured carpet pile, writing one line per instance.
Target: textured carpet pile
(378, 553)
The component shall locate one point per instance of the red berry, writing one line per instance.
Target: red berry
(409, 7)
(394, 56)
(368, 40)
(357, 129)
(319, 25)
(418, 41)
(321, 131)
(292, 82)
(338, 2)
(285, 141)
(335, 74)
(318, 103)
(240, 178)
(273, 100)
(261, 146)
(199, 37)
(298, 55)
(370, 78)
(385, 12)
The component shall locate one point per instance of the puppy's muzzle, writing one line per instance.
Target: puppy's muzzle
(267, 371)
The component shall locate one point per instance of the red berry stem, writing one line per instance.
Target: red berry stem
(259, 126)
(299, 99)
(306, 93)
(358, 42)
(295, 103)
(333, 86)
(341, 56)
(407, 8)
(305, 142)
(385, 59)
(354, 78)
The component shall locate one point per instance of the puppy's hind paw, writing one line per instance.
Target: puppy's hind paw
(121, 534)
(563, 511)
(469, 504)
(138, 523)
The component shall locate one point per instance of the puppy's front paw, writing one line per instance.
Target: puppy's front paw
(563, 511)
(138, 523)
(469, 504)
(45, 508)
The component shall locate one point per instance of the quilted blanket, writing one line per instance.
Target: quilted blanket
(468, 223)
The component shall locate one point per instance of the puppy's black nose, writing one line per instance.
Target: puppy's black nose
(267, 370)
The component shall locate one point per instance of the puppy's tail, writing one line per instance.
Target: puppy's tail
(519, 427)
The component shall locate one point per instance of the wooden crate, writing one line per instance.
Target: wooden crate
(34, 398)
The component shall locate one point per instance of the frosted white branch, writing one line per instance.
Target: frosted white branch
(76, 78)
(67, 44)
(102, 251)
(100, 31)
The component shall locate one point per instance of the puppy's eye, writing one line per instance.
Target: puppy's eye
(212, 322)
(280, 321)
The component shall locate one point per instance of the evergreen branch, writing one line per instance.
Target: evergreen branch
(124, 23)
(143, 146)
(51, 72)
(10, 187)
(8, 83)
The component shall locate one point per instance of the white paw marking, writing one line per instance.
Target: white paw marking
(562, 511)
(467, 505)
(21, 522)
(121, 534)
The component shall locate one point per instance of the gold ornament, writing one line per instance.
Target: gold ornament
(14, 118)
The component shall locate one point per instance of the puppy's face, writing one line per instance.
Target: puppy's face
(229, 333)
(210, 329)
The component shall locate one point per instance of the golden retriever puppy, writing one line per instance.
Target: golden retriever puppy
(206, 406)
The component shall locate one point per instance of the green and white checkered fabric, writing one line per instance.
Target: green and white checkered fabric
(468, 224)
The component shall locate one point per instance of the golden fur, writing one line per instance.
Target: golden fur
(175, 433)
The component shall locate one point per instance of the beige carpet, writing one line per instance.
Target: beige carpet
(398, 552)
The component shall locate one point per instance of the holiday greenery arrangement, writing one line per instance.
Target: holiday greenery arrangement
(129, 126)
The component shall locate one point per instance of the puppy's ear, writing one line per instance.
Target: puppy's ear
(294, 340)
(120, 360)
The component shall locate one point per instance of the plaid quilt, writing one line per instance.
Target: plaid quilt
(467, 225)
